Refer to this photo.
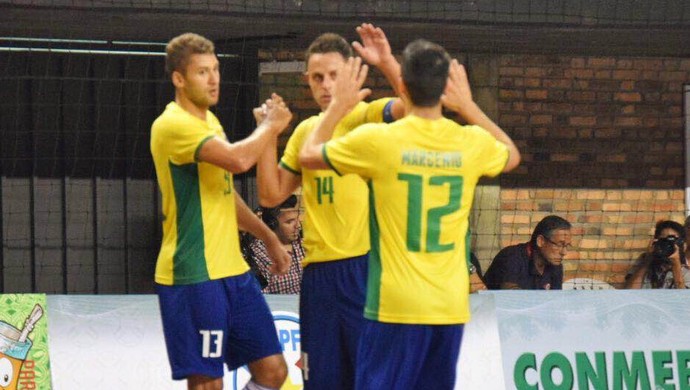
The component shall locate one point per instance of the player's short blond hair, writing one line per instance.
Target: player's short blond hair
(180, 48)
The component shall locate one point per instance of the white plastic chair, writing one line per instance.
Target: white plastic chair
(586, 284)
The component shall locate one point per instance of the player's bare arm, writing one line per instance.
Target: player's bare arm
(347, 92)
(458, 97)
(275, 183)
(376, 51)
(238, 157)
(476, 283)
(509, 286)
(248, 221)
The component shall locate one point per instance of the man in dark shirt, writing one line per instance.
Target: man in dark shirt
(535, 265)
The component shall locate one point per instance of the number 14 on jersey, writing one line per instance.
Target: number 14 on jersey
(324, 189)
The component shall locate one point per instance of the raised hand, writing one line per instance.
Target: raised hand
(458, 94)
(260, 112)
(348, 91)
(277, 114)
(374, 48)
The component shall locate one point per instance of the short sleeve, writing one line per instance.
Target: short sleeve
(507, 267)
(183, 141)
(290, 159)
(376, 110)
(494, 156)
(373, 112)
(354, 152)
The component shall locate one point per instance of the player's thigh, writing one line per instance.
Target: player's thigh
(439, 368)
(393, 356)
(252, 333)
(326, 360)
(194, 324)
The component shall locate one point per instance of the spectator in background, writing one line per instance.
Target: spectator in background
(664, 264)
(534, 265)
(284, 221)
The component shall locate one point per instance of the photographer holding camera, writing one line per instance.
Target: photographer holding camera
(664, 265)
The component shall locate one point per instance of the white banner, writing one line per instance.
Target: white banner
(116, 342)
(595, 339)
(479, 366)
(548, 340)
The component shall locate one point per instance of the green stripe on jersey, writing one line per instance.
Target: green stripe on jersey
(327, 161)
(189, 261)
(374, 278)
(198, 148)
(288, 168)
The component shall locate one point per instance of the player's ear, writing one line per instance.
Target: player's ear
(177, 79)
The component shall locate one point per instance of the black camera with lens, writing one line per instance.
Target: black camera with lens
(663, 248)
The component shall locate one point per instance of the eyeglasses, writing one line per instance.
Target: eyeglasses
(560, 246)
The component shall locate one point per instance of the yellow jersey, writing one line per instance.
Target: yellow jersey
(421, 175)
(200, 236)
(336, 222)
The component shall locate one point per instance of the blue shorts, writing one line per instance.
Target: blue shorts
(402, 356)
(331, 318)
(206, 324)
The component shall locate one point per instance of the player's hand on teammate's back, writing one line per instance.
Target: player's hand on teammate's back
(280, 256)
(277, 114)
(458, 93)
(374, 48)
(348, 91)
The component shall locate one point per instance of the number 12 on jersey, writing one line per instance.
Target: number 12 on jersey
(415, 205)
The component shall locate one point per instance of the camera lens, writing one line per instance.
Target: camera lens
(664, 247)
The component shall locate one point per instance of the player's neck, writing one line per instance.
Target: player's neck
(426, 112)
(190, 107)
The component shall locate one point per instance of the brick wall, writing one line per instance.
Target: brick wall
(602, 144)
(602, 141)
(610, 227)
(594, 122)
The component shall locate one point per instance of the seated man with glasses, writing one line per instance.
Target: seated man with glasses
(534, 265)
(663, 265)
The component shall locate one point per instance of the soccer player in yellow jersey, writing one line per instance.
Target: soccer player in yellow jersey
(421, 171)
(336, 236)
(212, 309)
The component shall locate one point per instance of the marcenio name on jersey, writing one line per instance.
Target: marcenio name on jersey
(426, 158)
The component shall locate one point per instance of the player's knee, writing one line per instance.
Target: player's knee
(271, 372)
(201, 382)
(277, 376)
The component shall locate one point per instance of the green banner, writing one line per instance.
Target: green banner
(24, 359)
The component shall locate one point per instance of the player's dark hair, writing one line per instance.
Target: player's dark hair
(425, 72)
(328, 43)
(180, 48)
(547, 226)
